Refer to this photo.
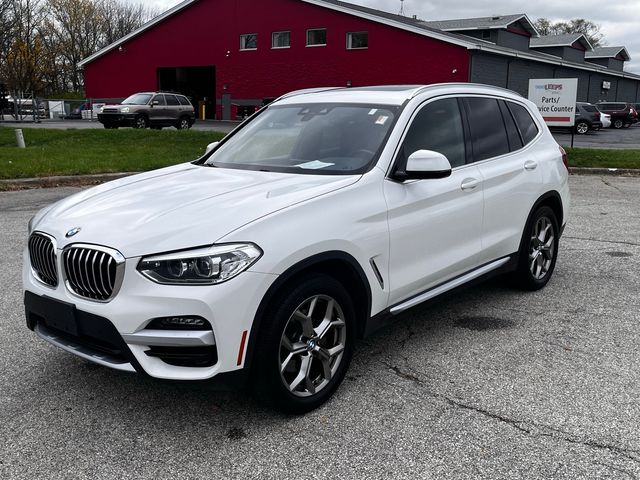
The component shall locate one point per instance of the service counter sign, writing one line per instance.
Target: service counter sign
(556, 99)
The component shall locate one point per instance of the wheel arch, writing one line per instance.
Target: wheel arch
(338, 264)
(553, 200)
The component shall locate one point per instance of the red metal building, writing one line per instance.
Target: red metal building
(196, 49)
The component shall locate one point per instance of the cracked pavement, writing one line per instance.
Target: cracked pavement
(488, 383)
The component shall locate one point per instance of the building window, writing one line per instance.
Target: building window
(356, 40)
(280, 39)
(249, 41)
(486, 35)
(316, 37)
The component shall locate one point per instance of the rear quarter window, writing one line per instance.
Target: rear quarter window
(184, 101)
(526, 124)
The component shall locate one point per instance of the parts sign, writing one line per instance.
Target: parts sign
(556, 99)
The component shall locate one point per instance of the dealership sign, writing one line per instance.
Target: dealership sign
(556, 99)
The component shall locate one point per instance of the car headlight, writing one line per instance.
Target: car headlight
(204, 266)
(124, 110)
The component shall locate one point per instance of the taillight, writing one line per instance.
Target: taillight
(597, 116)
(565, 159)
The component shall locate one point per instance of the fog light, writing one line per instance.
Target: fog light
(179, 323)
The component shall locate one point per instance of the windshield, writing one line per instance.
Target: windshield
(137, 99)
(321, 139)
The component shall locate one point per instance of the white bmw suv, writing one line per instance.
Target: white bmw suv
(310, 226)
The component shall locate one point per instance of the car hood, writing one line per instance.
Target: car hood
(179, 207)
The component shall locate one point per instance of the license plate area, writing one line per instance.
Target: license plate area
(55, 313)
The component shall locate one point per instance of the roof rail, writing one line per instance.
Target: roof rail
(465, 84)
(303, 91)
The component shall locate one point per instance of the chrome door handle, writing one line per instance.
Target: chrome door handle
(469, 184)
(530, 165)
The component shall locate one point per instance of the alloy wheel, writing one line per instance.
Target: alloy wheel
(541, 248)
(312, 345)
(582, 128)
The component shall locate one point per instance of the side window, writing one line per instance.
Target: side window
(159, 99)
(488, 133)
(437, 127)
(513, 135)
(184, 101)
(172, 100)
(526, 125)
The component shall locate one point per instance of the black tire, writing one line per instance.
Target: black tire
(273, 356)
(582, 127)
(184, 123)
(141, 121)
(526, 276)
(618, 124)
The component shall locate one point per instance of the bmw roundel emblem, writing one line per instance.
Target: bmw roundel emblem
(74, 231)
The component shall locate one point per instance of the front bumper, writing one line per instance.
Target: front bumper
(114, 334)
(117, 119)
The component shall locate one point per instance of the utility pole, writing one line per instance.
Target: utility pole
(401, 12)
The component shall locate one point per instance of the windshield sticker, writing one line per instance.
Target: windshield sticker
(315, 165)
(382, 119)
(373, 111)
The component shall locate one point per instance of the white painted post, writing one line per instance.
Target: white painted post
(20, 138)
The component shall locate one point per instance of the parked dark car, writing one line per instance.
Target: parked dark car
(587, 118)
(150, 109)
(622, 114)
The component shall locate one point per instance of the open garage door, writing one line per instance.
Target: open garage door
(197, 83)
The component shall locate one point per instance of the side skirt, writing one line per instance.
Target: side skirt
(478, 275)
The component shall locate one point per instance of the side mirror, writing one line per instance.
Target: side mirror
(211, 146)
(425, 164)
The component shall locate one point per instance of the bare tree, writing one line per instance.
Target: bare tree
(75, 31)
(590, 29)
(25, 48)
(119, 19)
(42, 41)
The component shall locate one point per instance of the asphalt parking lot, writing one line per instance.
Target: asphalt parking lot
(624, 138)
(492, 383)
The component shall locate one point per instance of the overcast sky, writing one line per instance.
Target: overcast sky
(620, 19)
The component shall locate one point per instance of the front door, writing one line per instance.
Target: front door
(435, 225)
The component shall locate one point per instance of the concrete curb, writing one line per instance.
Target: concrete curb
(620, 172)
(86, 180)
(61, 181)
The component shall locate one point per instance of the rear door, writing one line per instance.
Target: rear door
(173, 109)
(435, 225)
(503, 135)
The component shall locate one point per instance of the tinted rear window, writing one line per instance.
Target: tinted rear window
(488, 134)
(515, 141)
(172, 100)
(526, 125)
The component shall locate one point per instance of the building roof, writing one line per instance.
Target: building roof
(563, 40)
(609, 52)
(398, 21)
(484, 23)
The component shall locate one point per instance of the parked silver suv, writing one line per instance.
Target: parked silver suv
(150, 109)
